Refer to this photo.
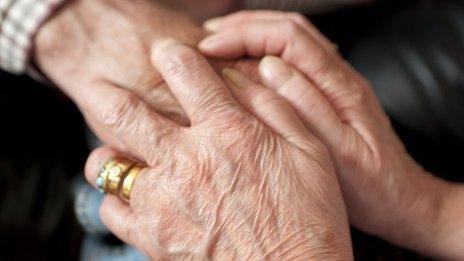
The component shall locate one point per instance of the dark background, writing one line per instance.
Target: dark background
(43, 144)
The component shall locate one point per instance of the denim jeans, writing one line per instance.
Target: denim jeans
(87, 201)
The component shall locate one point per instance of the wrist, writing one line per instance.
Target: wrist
(424, 222)
(450, 224)
(52, 35)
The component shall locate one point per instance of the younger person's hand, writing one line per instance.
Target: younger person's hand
(387, 193)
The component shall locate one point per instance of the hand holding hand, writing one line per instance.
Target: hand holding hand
(387, 193)
(232, 185)
(94, 46)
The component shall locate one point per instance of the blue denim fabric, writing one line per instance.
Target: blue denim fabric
(86, 206)
(95, 249)
(87, 201)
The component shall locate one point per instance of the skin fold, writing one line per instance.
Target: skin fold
(246, 180)
(93, 45)
(98, 53)
(386, 192)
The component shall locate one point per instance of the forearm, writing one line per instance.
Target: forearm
(451, 223)
(432, 223)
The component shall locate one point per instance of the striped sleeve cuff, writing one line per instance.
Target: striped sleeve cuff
(19, 21)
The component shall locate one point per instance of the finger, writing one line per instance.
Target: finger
(96, 160)
(199, 89)
(332, 76)
(247, 17)
(312, 107)
(101, 156)
(254, 39)
(119, 219)
(127, 118)
(267, 106)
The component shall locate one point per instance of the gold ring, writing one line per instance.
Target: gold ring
(128, 182)
(112, 173)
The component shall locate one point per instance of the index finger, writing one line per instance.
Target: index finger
(195, 84)
(247, 16)
(338, 82)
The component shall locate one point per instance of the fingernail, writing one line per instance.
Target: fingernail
(163, 43)
(238, 79)
(274, 72)
(212, 24)
(210, 42)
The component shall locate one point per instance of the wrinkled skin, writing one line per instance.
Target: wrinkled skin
(387, 193)
(232, 185)
(93, 45)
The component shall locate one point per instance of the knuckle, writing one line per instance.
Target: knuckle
(224, 124)
(335, 84)
(298, 18)
(183, 60)
(161, 141)
(119, 114)
(323, 68)
(214, 104)
(359, 97)
(291, 27)
(356, 93)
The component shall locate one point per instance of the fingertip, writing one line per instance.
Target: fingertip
(210, 43)
(213, 24)
(95, 162)
(274, 72)
(222, 45)
(239, 80)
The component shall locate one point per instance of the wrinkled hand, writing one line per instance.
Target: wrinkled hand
(231, 186)
(97, 45)
(387, 193)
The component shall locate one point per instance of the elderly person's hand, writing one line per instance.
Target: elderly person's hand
(231, 186)
(105, 44)
(387, 193)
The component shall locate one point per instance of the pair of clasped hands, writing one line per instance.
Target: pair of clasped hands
(266, 165)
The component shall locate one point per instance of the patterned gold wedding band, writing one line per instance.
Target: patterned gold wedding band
(112, 173)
